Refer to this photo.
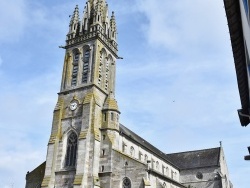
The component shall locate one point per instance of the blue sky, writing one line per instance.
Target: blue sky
(173, 51)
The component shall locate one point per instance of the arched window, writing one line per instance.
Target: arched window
(145, 158)
(157, 165)
(75, 68)
(71, 150)
(85, 66)
(107, 75)
(132, 151)
(167, 171)
(126, 183)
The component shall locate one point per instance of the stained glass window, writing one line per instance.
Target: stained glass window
(126, 183)
(71, 150)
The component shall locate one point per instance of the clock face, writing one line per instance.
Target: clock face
(73, 105)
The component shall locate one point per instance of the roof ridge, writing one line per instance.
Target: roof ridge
(193, 151)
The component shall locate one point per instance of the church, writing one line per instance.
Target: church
(88, 146)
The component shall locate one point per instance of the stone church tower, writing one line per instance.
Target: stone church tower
(86, 109)
(88, 147)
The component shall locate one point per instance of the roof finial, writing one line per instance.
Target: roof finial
(220, 143)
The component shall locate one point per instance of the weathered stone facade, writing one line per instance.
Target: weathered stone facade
(88, 147)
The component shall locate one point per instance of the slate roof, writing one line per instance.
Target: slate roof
(195, 159)
(181, 161)
(131, 135)
(233, 14)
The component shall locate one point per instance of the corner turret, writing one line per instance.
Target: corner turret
(111, 113)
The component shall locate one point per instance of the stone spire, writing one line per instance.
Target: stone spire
(113, 27)
(95, 18)
(111, 103)
(74, 23)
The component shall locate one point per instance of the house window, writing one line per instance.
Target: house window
(126, 183)
(71, 150)
(85, 66)
(146, 158)
(163, 169)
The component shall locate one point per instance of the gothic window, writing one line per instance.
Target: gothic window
(75, 69)
(167, 171)
(71, 150)
(172, 174)
(163, 169)
(100, 71)
(153, 164)
(140, 156)
(132, 151)
(126, 183)
(85, 66)
(107, 75)
(124, 146)
(146, 158)
(157, 165)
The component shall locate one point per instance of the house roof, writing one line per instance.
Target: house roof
(233, 14)
(195, 159)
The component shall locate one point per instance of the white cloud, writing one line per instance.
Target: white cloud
(182, 26)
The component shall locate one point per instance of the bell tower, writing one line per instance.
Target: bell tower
(86, 108)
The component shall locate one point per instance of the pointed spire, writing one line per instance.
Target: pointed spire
(95, 19)
(113, 26)
(111, 103)
(86, 17)
(74, 23)
(75, 17)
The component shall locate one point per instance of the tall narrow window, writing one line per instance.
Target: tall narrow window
(100, 69)
(75, 69)
(112, 116)
(71, 150)
(107, 75)
(132, 151)
(85, 66)
(167, 171)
